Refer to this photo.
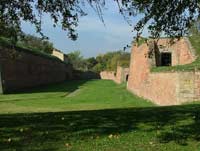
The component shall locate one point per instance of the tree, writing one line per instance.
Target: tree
(173, 17)
(91, 62)
(64, 12)
(77, 60)
(194, 36)
(111, 60)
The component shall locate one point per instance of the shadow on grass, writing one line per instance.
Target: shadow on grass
(49, 131)
(67, 86)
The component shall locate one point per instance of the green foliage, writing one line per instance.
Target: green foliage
(11, 31)
(80, 63)
(141, 40)
(91, 62)
(98, 67)
(110, 60)
(77, 60)
(173, 18)
(194, 36)
(65, 13)
(169, 16)
(35, 43)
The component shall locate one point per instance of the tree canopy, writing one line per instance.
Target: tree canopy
(108, 61)
(172, 17)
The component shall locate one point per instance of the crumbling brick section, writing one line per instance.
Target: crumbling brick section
(119, 77)
(164, 88)
(22, 69)
(108, 75)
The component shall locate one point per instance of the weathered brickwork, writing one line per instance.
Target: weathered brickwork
(119, 77)
(22, 69)
(180, 51)
(164, 88)
(60, 55)
(108, 75)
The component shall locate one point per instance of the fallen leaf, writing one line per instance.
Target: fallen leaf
(110, 136)
(9, 140)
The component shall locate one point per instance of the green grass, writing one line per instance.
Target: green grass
(105, 117)
(188, 67)
(73, 95)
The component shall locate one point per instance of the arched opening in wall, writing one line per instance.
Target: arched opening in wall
(166, 59)
(127, 77)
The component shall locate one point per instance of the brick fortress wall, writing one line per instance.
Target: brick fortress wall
(164, 88)
(23, 69)
(119, 77)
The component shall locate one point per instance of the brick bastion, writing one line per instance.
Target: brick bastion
(164, 88)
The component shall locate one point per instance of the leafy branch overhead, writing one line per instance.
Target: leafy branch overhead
(173, 17)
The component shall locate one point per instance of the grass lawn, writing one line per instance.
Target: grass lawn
(94, 116)
(73, 95)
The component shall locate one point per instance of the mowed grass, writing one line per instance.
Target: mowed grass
(71, 95)
(94, 116)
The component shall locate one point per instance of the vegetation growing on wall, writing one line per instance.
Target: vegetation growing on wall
(142, 40)
(7, 43)
(36, 43)
(30, 42)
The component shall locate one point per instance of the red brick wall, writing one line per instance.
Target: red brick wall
(108, 75)
(160, 88)
(22, 69)
(139, 66)
(182, 52)
(121, 74)
(118, 77)
(168, 88)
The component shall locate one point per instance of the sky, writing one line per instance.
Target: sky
(94, 38)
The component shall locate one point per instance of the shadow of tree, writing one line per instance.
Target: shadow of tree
(46, 131)
(67, 86)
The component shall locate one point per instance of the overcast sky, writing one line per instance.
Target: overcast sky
(94, 37)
